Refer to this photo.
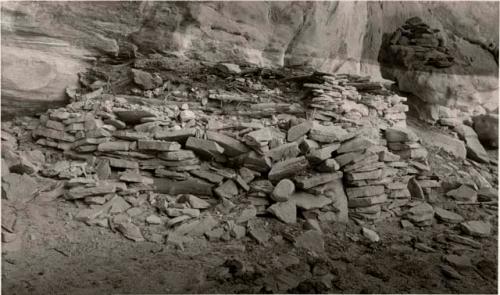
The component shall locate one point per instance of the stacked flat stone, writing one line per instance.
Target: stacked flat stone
(121, 155)
(365, 177)
(356, 100)
(425, 45)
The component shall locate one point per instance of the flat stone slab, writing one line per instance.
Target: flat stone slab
(464, 193)
(121, 163)
(175, 135)
(232, 147)
(287, 168)
(81, 192)
(178, 155)
(328, 134)
(297, 131)
(158, 145)
(208, 176)
(317, 156)
(367, 201)
(447, 216)
(284, 151)
(476, 228)
(17, 187)
(112, 146)
(306, 182)
(364, 191)
(400, 135)
(308, 201)
(188, 186)
(357, 144)
(284, 211)
(227, 190)
(205, 148)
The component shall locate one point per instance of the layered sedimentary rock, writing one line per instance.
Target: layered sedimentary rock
(57, 39)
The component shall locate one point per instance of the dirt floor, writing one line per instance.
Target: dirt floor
(62, 256)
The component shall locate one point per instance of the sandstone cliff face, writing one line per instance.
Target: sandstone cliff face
(44, 45)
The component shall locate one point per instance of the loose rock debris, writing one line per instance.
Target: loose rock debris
(213, 163)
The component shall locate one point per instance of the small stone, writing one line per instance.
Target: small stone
(111, 146)
(257, 230)
(308, 201)
(85, 215)
(365, 191)
(204, 148)
(375, 174)
(283, 190)
(297, 131)
(317, 156)
(247, 174)
(153, 219)
(158, 145)
(215, 234)
(17, 187)
(208, 176)
(124, 225)
(237, 231)
(487, 194)
(284, 211)
(232, 147)
(259, 138)
(228, 68)
(135, 211)
(197, 203)
(464, 193)
(227, 190)
(247, 214)
(328, 134)
(284, 151)
(306, 182)
(121, 163)
(415, 190)
(420, 213)
(400, 135)
(367, 201)
(311, 240)
(459, 262)
(178, 155)
(450, 272)
(406, 224)
(358, 144)
(175, 135)
(81, 192)
(287, 168)
(144, 79)
(197, 227)
(187, 115)
(371, 235)
(476, 228)
(447, 216)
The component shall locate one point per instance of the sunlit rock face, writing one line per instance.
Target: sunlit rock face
(441, 68)
(44, 44)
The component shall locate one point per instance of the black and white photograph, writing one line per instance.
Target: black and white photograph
(249, 147)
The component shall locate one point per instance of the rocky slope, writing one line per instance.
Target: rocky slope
(45, 44)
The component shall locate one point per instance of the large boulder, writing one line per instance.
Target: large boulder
(486, 127)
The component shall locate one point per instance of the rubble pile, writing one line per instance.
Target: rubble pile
(415, 45)
(356, 100)
(207, 163)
